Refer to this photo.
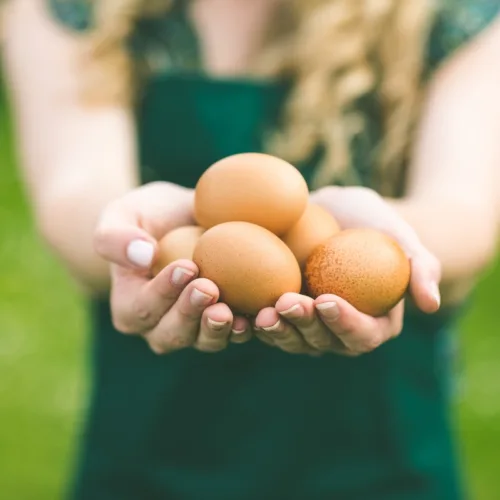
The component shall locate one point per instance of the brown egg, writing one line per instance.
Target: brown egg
(251, 187)
(314, 227)
(251, 266)
(363, 266)
(176, 244)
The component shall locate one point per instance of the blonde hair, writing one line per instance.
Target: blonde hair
(335, 52)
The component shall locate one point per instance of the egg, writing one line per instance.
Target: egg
(314, 227)
(176, 244)
(251, 187)
(251, 266)
(363, 266)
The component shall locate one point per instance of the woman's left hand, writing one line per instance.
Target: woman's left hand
(302, 325)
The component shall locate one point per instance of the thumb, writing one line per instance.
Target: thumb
(425, 279)
(425, 274)
(119, 239)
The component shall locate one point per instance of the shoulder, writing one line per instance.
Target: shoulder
(73, 14)
(161, 42)
(457, 22)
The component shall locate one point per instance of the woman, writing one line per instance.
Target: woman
(140, 92)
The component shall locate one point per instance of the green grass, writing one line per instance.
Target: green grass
(42, 351)
(479, 407)
(43, 346)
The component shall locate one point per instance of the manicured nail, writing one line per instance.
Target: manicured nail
(329, 310)
(272, 328)
(238, 332)
(216, 325)
(435, 293)
(140, 253)
(181, 276)
(200, 299)
(238, 336)
(293, 312)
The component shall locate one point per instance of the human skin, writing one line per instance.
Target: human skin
(87, 202)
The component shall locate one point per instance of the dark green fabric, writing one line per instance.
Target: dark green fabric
(252, 422)
(255, 423)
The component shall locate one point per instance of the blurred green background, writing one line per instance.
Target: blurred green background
(43, 360)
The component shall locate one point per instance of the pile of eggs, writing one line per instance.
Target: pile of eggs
(258, 237)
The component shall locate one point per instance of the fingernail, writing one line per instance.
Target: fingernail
(436, 293)
(181, 276)
(329, 310)
(216, 325)
(272, 328)
(140, 253)
(238, 332)
(293, 312)
(199, 298)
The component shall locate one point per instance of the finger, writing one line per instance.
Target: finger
(424, 284)
(300, 312)
(359, 332)
(138, 304)
(119, 239)
(264, 337)
(179, 327)
(215, 328)
(283, 334)
(396, 320)
(425, 269)
(241, 331)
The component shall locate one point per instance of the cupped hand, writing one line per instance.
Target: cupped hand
(175, 309)
(302, 325)
(357, 207)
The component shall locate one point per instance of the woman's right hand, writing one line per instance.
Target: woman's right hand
(175, 309)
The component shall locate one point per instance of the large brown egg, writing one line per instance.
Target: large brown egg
(251, 187)
(363, 266)
(176, 244)
(314, 227)
(251, 266)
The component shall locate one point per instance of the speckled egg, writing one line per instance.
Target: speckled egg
(363, 266)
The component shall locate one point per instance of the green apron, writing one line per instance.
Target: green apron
(253, 422)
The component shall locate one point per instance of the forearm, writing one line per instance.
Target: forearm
(66, 216)
(85, 160)
(452, 189)
(73, 158)
(461, 234)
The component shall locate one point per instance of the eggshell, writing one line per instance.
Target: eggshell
(314, 227)
(363, 266)
(251, 266)
(176, 244)
(251, 187)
